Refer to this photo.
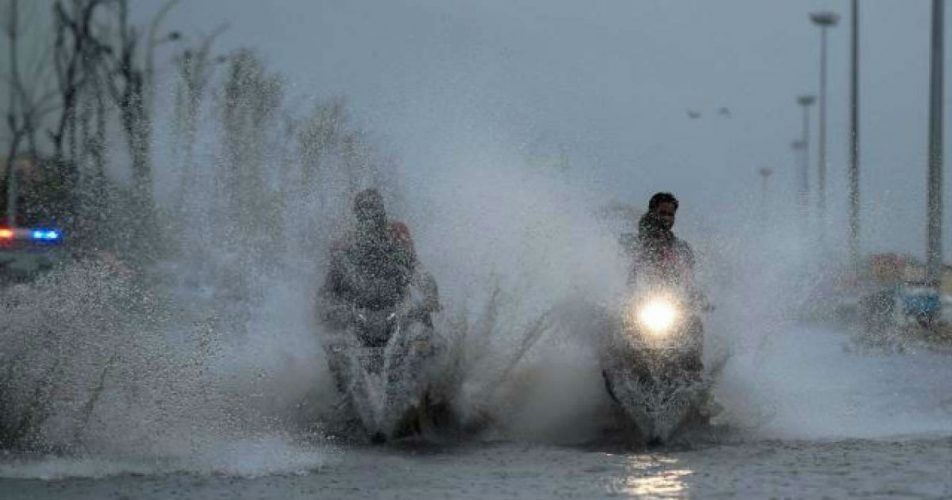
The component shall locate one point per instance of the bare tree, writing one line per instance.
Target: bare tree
(27, 105)
(74, 47)
(252, 98)
(14, 121)
(320, 132)
(195, 67)
(125, 79)
(75, 52)
(128, 72)
(334, 153)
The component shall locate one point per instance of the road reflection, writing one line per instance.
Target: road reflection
(653, 477)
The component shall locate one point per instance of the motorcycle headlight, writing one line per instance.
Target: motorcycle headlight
(657, 316)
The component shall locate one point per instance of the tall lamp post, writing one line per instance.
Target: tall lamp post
(805, 101)
(824, 20)
(854, 135)
(934, 239)
(798, 148)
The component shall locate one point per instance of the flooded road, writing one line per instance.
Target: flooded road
(808, 415)
(792, 469)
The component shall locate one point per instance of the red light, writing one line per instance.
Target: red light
(6, 233)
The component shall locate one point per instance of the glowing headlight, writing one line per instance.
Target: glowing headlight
(658, 315)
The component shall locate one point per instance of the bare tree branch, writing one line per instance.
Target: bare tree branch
(16, 126)
(153, 42)
(71, 58)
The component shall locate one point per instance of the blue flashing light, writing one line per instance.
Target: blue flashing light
(45, 234)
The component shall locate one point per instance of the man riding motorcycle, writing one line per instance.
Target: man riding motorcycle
(372, 268)
(375, 306)
(656, 250)
(658, 256)
(652, 358)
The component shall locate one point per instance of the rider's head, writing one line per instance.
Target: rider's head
(664, 206)
(369, 210)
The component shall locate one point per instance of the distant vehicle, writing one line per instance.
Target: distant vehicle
(26, 252)
(902, 304)
(919, 303)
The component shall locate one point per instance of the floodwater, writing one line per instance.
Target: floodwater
(762, 469)
(810, 413)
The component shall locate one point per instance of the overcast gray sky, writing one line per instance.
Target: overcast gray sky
(610, 82)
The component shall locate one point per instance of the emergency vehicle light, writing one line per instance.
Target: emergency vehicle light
(6, 233)
(45, 234)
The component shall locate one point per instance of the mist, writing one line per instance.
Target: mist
(517, 143)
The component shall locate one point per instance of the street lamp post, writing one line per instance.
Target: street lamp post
(805, 101)
(934, 239)
(854, 136)
(798, 147)
(824, 20)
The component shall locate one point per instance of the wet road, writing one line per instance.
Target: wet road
(809, 416)
(780, 469)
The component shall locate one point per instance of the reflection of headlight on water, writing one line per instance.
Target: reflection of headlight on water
(657, 316)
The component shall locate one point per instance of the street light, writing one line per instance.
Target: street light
(824, 20)
(805, 101)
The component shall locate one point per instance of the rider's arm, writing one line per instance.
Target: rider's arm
(331, 306)
(334, 278)
(697, 294)
(687, 256)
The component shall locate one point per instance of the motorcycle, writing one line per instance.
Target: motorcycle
(652, 365)
(385, 365)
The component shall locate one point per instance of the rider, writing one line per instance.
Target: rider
(373, 267)
(657, 250)
(657, 253)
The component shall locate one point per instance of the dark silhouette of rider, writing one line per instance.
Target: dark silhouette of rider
(373, 267)
(658, 251)
(659, 255)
